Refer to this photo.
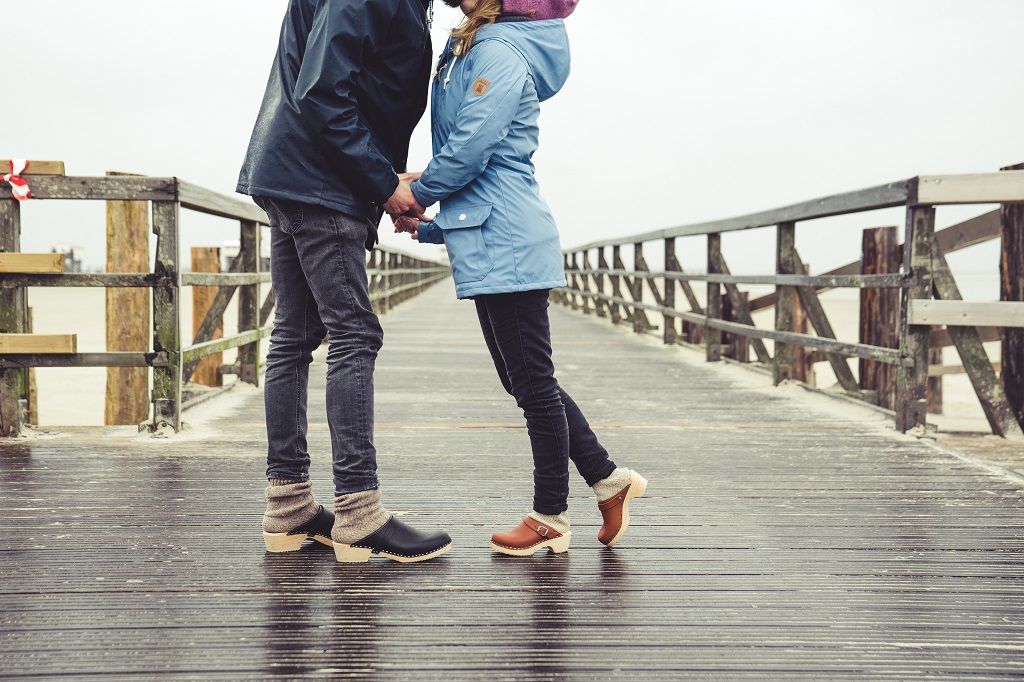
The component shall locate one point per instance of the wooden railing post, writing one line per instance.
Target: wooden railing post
(713, 309)
(600, 303)
(1011, 288)
(785, 264)
(14, 384)
(669, 335)
(166, 319)
(912, 376)
(615, 279)
(584, 279)
(249, 303)
(879, 312)
(639, 318)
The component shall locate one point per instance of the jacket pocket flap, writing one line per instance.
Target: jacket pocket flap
(459, 217)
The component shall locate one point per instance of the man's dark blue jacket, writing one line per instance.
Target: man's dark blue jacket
(348, 86)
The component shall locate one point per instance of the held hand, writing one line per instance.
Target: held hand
(405, 224)
(403, 202)
(410, 177)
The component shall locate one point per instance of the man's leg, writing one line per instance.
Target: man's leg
(331, 250)
(298, 331)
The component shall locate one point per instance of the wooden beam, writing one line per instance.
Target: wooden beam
(31, 263)
(104, 188)
(883, 196)
(945, 370)
(740, 310)
(975, 361)
(819, 320)
(940, 338)
(958, 313)
(978, 188)
(976, 230)
(202, 200)
(11, 344)
(35, 167)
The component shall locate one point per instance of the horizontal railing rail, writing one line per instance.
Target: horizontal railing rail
(901, 324)
(394, 276)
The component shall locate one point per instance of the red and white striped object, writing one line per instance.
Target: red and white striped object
(19, 187)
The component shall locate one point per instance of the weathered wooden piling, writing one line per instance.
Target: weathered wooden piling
(208, 371)
(879, 312)
(128, 310)
(1011, 288)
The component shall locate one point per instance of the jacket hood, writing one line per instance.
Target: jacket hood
(544, 46)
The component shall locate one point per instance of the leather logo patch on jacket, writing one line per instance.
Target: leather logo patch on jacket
(480, 86)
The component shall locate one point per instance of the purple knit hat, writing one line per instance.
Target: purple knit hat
(538, 10)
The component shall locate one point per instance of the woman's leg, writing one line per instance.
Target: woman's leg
(585, 451)
(517, 333)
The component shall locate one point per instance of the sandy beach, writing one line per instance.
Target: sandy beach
(75, 395)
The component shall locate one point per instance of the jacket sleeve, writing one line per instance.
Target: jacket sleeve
(342, 38)
(482, 122)
(429, 233)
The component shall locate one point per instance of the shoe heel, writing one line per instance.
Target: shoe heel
(283, 542)
(347, 554)
(639, 484)
(560, 544)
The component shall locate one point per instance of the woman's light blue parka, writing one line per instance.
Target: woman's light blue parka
(499, 231)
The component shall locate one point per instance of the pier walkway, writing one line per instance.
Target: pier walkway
(784, 536)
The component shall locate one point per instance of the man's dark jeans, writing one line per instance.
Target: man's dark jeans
(518, 335)
(318, 266)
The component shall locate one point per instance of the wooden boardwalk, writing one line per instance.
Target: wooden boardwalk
(784, 536)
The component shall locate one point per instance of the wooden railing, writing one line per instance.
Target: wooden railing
(394, 277)
(610, 288)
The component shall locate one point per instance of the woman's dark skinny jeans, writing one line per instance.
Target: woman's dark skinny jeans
(518, 335)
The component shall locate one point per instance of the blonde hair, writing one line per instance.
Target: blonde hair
(486, 12)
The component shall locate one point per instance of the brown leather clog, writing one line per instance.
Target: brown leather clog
(528, 537)
(615, 509)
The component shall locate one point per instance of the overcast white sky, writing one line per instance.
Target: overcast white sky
(677, 112)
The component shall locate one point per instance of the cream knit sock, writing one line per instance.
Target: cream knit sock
(357, 515)
(289, 505)
(559, 522)
(610, 486)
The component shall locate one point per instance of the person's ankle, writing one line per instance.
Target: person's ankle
(289, 505)
(556, 522)
(357, 515)
(609, 487)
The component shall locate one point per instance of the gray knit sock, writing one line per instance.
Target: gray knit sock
(610, 486)
(289, 505)
(559, 522)
(357, 515)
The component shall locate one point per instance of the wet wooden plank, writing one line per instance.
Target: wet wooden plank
(786, 540)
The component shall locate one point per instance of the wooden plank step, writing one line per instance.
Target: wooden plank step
(36, 167)
(38, 343)
(26, 263)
